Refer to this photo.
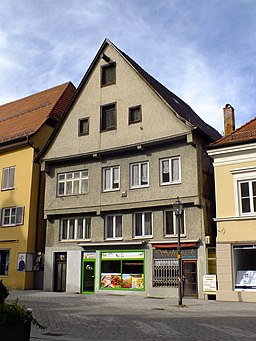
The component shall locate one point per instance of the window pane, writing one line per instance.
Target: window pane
(182, 224)
(118, 226)
(109, 227)
(107, 179)
(76, 187)
(79, 229)
(64, 233)
(175, 169)
(138, 224)
(246, 205)
(87, 228)
(147, 224)
(165, 171)
(116, 177)
(69, 175)
(11, 177)
(84, 186)
(135, 175)
(254, 188)
(69, 187)
(71, 234)
(244, 189)
(169, 222)
(144, 174)
(60, 188)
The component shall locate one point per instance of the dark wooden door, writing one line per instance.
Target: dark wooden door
(189, 278)
(60, 272)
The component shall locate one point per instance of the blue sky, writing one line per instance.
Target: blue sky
(203, 51)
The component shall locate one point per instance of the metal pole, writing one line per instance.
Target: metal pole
(180, 262)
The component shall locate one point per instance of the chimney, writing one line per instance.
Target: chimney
(229, 119)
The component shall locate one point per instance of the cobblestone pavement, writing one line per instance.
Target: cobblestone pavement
(109, 317)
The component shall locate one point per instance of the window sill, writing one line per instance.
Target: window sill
(139, 187)
(143, 237)
(74, 240)
(113, 239)
(111, 190)
(170, 183)
(175, 236)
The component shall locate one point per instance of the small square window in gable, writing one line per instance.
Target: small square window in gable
(135, 114)
(108, 117)
(108, 74)
(83, 126)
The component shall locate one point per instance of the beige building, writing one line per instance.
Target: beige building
(235, 182)
(127, 148)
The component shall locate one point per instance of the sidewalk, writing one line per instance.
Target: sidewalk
(76, 317)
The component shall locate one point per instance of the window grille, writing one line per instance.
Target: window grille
(165, 273)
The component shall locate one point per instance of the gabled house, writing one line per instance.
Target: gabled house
(115, 165)
(25, 126)
(234, 158)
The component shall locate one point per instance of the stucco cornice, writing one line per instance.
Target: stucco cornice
(233, 154)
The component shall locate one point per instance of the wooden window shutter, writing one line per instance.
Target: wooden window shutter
(19, 215)
(5, 178)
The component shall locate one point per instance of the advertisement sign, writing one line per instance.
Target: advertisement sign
(209, 283)
(246, 279)
(128, 255)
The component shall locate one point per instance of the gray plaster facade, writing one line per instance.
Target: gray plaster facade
(163, 132)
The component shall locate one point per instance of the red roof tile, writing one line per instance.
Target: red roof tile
(25, 116)
(245, 133)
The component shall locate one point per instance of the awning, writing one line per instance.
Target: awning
(175, 245)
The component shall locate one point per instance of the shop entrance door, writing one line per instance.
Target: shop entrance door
(88, 278)
(190, 278)
(60, 272)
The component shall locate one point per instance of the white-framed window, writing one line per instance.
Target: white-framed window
(170, 224)
(72, 183)
(12, 216)
(247, 196)
(8, 178)
(111, 178)
(113, 227)
(139, 174)
(75, 229)
(170, 170)
(143, 224)
(244, 190)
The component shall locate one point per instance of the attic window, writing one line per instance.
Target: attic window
(83, 126)
(135, 114)
(108, 74)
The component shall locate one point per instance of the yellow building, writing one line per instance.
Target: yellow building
(235, 187)
(25, 127)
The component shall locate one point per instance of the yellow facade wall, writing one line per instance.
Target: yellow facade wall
(19, 239)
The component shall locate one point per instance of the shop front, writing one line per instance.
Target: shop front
(112, 270)
(165, 264)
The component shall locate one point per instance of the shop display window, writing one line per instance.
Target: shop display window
(122, 274)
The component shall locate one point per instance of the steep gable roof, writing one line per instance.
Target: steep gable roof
(25, 116)
(246, 133)
(176, 103)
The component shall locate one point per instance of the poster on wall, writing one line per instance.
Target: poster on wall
(246, 279)
(133, 281)
(25, 262)
(110, 280)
